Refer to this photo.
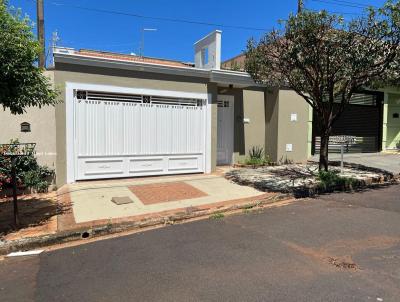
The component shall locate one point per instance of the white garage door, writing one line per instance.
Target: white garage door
(124, 135)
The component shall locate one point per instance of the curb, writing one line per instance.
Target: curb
(114, 228)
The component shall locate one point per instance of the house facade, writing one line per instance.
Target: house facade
(127, 116)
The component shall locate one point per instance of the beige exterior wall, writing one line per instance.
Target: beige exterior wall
(254, 110)
(122, 78)
(43, 130)
(271, 123)
(212, 90)
(280, 130)
(293, 132)
(270, 127)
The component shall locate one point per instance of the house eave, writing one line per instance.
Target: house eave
(121, 64)
(236, 78)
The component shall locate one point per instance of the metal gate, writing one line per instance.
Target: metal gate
(362, 118)
(123, 135)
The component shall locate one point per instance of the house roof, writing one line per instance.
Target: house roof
(132, 58)
(83, 57)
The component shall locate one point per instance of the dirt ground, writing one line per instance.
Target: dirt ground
(38, 216)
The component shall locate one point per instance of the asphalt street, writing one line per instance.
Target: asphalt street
(340, 247)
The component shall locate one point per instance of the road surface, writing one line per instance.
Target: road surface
(342, 247)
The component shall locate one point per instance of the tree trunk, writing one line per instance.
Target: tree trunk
(323, 152)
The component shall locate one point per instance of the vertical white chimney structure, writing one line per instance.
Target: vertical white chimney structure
(208, 51)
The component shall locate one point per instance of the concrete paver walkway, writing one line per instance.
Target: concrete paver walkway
(91, 201)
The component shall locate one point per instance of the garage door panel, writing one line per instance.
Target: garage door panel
(98, 167)
(129, 138)
(141, 165)
(114, 130)
(163, 129)
(192, 163)
(132, 126)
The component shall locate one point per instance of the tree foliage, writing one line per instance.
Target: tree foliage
(22, 83)
(326, 59)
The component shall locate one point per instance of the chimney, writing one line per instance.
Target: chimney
(208, 51)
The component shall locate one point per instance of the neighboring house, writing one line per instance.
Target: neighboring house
(126, 116)
(372, 117)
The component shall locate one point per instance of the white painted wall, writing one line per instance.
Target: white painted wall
(211, 45)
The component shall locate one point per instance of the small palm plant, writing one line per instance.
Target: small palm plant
(257, 156)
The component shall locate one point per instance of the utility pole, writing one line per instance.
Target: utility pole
(40, 32)
(300, 5)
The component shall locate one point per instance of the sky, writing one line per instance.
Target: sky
(85, 24)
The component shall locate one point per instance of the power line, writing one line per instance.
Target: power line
(114, 12)
(336, 12)
(353, 3)
(344, 3)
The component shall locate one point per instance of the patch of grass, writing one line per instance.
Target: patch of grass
(217, 216)
(328, 180)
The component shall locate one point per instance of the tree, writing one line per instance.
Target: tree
(22, 83)
(326, 59)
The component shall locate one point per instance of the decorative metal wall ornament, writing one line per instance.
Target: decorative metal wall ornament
(81, 95)
(25, 127)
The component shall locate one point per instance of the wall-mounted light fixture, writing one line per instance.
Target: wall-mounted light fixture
(395, 115)
(25, 127)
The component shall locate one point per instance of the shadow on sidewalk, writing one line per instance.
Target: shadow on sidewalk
(34, 211)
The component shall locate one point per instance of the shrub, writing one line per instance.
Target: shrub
(28, 172)
(38, 179)
(257, 157)
(331, 180)
(256, 152)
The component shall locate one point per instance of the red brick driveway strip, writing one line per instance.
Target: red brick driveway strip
(165, 192)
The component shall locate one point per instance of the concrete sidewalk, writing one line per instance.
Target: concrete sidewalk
(86, 208)
(154, 200)
(91, 201)
(384, 161)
